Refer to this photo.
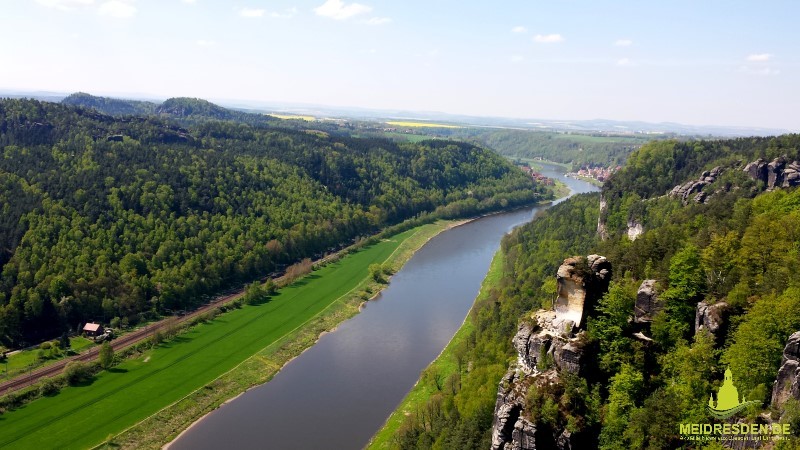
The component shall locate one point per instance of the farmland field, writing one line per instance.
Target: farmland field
(421, 125)
(85, 416)
(293, 117)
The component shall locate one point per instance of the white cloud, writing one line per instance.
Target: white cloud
(119, 9)
(286, 14)
(516, 58)
(759, 57)
(377, 21)
(548, 38)
(337, 9)
(65, 5)
(190, 2)
(519, 29)
(623, 43)
(252, 13)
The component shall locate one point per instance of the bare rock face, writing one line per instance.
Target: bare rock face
(635, 229)
(693, 190)
(757, 170)
(712, 318)
(548, 344)
(787, 383)
(647, 302)
(577, 276)
(601, 224)
(779, 173)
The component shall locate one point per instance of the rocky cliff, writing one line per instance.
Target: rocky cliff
(780, 173)
(787, 383)
(548, 344)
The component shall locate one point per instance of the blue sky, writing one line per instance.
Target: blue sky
(698, 62)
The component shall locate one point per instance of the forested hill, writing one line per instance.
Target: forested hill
(108, 217)
(723, 293)
(183, 109)
(111, 106)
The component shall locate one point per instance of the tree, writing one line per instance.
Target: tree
(255, 293)
(376, 273)
(106, 356)
(75, 372)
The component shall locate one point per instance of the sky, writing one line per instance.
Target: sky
(706, 62)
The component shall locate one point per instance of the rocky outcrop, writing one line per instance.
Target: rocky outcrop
(635, 229)
(548, 344)
(579, 279)
(787, 383)
(693, 190)
(779, 173)
(647, 303)
(712, 318)
(602, 231)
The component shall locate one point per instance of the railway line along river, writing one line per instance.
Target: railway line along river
(339, 392)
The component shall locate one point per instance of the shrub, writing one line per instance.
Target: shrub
(76, 371)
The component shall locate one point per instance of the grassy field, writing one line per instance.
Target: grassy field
(587, 139)
(293, 117)
(197, 361)
(445, 364)
(421, 125)
(28, 359)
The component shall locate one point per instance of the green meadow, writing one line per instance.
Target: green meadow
(85, 416)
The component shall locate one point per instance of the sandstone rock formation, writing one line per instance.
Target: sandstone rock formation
(547, 344)
(712, 318)
(647, 302)
(578, 278)
(693, 190)
(635, 229)
(787, 383)
(602, 231)
(776, 174)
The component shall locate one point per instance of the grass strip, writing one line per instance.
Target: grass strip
(145, 401)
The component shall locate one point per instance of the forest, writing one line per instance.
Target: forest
(737, 252)
(575, 149)
(125, 218)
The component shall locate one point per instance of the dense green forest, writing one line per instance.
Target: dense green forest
(579, 150)
(738, 251)
(124, 217)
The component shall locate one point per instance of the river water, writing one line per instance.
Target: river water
(338, 393)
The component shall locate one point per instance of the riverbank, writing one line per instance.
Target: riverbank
(168, 423)
(177, 418)
(168, 387)
(448, 364)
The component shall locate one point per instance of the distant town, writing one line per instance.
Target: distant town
(536, 175)
(595, 173)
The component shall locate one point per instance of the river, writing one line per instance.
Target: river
(339, 392)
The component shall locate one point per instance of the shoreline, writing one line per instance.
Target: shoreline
(449, 226)
(164, 427)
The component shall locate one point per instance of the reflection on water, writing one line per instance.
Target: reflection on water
(337, 394)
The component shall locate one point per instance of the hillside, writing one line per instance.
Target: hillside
(703, 241)
(125, 218)
(110, 106)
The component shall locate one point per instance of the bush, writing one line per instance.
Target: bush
(49, 386)
(76, 371)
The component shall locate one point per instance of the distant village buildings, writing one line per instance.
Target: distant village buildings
(537, 176)
(600, 174)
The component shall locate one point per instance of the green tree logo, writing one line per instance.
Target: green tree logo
(727, 403)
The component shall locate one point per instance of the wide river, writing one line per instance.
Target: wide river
(339, 392)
